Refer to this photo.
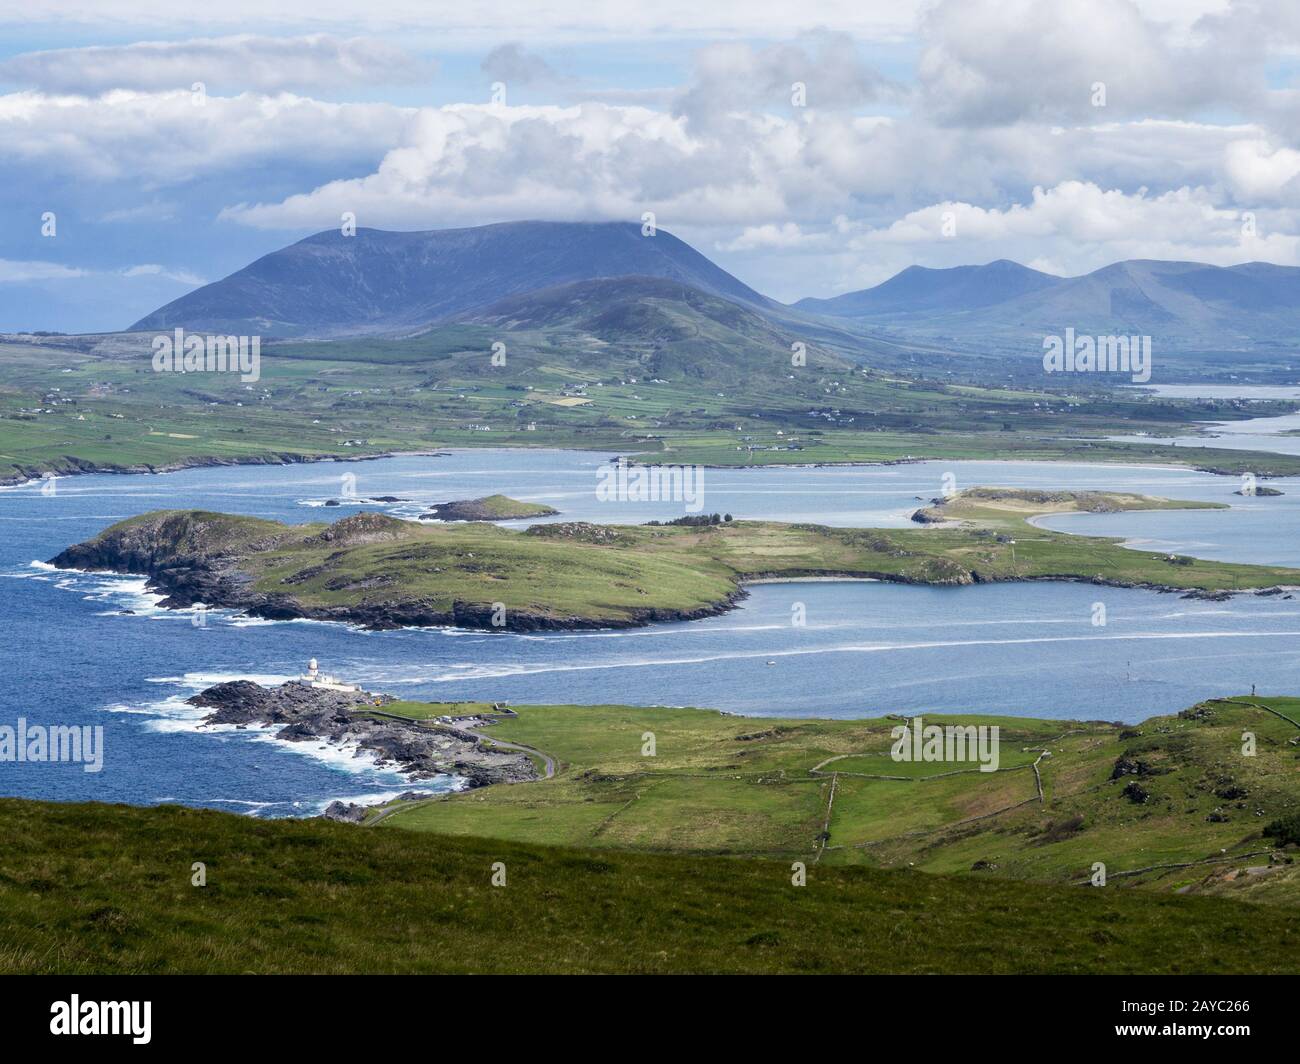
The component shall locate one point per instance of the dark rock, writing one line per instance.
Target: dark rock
(345, 812)
(1130, 766)
(309, 714)
(1136, 793)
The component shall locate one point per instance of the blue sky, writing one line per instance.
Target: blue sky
(1065, 135)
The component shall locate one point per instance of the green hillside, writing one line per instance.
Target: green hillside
(1174, 795)
(108, 889)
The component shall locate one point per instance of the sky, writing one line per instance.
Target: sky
(150, 146)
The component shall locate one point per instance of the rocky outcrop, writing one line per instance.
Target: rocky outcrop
(420, 749)
(489, 508)
(345, 812)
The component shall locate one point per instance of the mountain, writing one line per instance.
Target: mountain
(1183, 306)
(919, 289)
(672, 329)
(377, 282)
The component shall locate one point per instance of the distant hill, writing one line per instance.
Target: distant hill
(675, 329)
(921, 289)
(1182, 305)
(379, 282)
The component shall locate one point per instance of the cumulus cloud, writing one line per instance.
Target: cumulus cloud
(1072, 228)
(157, 139)
(262, 64)
(994, 62)
(995, 125)
(772, 179)
(1261, 170)
(819, 70)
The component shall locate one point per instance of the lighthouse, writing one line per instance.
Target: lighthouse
(313, 677)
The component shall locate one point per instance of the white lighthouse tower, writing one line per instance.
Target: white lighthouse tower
(313, 677)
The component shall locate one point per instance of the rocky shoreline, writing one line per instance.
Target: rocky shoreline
(420, 749)
(211, 577)
(72, 467)
(188, 567)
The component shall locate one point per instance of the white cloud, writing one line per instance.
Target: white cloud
(1072, 228)
(262, 64)
(754, 237)
(153, 269)
(1263, 171)
(478, 21)
(156, 139)
(17, 272)
(995, 123)
(992, 62)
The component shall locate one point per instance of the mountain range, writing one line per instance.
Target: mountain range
(1186, 306)
(610, 282)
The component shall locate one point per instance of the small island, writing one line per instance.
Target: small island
(488, 508)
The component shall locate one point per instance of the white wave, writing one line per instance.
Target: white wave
(468, 673)
(198, 681)
(173, 715)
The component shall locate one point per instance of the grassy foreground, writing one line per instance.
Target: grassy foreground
(383, 571)
(107, 889)
(828, 791)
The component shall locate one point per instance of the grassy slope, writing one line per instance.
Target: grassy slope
(552, 571)
(94, 888)
(720, 784)
(439, 390)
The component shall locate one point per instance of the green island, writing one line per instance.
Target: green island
(629, 863)
(384, 572)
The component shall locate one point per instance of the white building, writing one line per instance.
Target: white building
(313, 677)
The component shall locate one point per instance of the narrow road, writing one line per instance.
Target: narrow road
(546, 758)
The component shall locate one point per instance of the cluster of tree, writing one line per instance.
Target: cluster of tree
(695, 519)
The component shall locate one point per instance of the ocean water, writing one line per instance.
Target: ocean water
(94, 649)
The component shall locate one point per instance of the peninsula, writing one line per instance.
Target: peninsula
(382, 572)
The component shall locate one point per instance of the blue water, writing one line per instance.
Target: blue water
(74, 657)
